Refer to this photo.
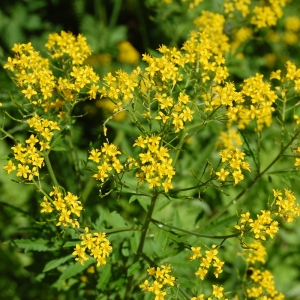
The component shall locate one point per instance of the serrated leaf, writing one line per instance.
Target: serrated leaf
(134, 241)
(116, 220)
(104, 277)
(132, 198)
(156, 235)
(75, 269)
(144, 202)
(162, 203)
(56, 262)
(161, 240)
(220, 224)
(35, 245)
(133, 268)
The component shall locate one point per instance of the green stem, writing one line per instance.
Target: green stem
(183, 292)
(145, 228)
(115, 14)
(258, 176)
(7, 134)
(50, 170)
(75, 161)
(15, 208)
(195, 233)
(142, 24)
(191, 187)
(41, 190)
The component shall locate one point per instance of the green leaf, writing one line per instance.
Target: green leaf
(162, 203)
(70, 244)
(217, 226)
(116, 220)
(112, 219)
(58, 148)
(56, 262)
(133, 268)
(144, 202)
(134, 241)
(35, 245)
(104, 277)
(74, 269)
(132, 198)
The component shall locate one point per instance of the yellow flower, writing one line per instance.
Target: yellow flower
(9, 167)
(222, 174)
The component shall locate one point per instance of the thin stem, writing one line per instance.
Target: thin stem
(183, 292)
(75, 160)
(41, 190)
(50, 170)
(7, 134)
(121, 229)
(15, 208)
(195, 233)
(145, 228)
(172, 191)
(115, 14)
(258, 176)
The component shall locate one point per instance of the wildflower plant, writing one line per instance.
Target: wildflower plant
(190, 138)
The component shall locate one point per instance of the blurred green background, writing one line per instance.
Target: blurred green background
(119, 32)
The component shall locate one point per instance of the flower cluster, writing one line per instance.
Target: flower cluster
(45, 129)
(292, 75)
(216, 293)
(225, 96)
(107, 160)
(29, 157)
(64, 205)
(33, 74)
(241, 35)
(255, 252)
(240, 6)
(177, 113)
(120, 86)
(261, 15)
(229, 139)
(268, 15)
(67, 44)
(263, 225)
(261, 100)
(235, 162)
(155, 163)
(263, 284)
(37, 81)
(212, 24)
(98, 245)
(286, 207)
(210, 57)
(210, 259)
(162, 281)
(292, 27)
(127, 53)
(253, 102)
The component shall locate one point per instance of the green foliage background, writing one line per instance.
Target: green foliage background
(23, 271)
